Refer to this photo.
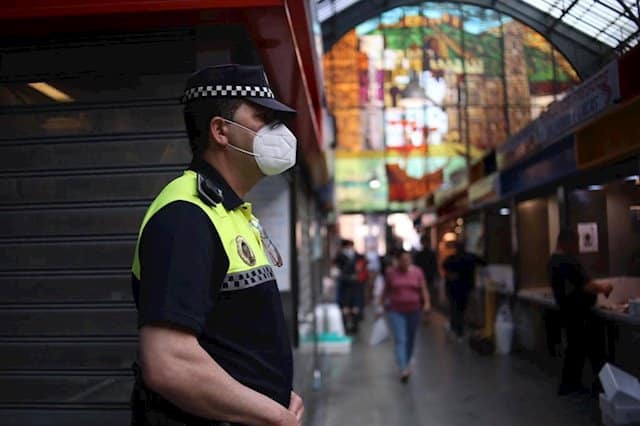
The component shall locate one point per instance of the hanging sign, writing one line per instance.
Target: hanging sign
(588, 99)
(585, 101)
(588, 234)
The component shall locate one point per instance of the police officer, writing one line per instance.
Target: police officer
(213, 346)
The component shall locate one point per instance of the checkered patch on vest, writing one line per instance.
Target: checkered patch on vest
(247, 279)
(227, 91)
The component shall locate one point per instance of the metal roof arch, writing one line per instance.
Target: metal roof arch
(586, 54)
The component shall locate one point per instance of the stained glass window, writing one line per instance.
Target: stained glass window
(421, 91)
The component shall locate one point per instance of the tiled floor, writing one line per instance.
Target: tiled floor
(451, 386)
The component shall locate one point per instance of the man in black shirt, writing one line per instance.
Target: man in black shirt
(427, 260)
(350, 291)
(575, 294)
(460, 276)
(214, 346)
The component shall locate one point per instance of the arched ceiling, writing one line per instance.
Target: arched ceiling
(587, 32)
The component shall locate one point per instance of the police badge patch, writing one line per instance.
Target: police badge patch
(244, 251)
(270, 249)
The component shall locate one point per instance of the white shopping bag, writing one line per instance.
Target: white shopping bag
(378, 286)
(379, 332)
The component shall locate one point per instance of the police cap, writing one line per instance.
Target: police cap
(233, 81)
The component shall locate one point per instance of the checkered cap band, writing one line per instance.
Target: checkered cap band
(227, 91)
(248, 279)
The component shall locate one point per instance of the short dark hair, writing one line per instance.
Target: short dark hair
(198, 115)
(346, 243)
(400, 252)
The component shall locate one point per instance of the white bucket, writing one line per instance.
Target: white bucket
(329, 319)
(504, 337)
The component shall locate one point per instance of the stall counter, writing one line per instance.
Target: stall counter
(613, 308)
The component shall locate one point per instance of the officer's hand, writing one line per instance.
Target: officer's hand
(287, 418)
(296, 406)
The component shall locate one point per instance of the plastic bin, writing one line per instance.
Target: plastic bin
(330, 338)
(618, 414)
(619, 386)
(328, 343)
(329, 319)
(504, 330)
(620, 402)
(504, 337)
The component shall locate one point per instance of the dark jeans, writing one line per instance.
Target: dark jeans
(350, 294)
(458, 300)
(585, 339)
(404, 326)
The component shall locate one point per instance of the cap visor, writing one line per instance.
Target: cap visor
(272, 104)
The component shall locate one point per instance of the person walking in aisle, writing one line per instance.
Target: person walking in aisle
(460, 276)
(427, 260)
(350, 289)
(405, 296)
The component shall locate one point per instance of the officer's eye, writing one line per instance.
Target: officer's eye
(265, 115)
(275, 123)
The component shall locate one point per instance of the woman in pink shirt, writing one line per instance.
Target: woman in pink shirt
(405, 296)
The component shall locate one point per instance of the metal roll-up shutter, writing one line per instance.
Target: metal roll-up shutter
(76, 177)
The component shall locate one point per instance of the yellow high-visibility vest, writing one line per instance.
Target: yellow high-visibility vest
(238, 230)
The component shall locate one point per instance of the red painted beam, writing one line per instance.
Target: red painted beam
(29, 9)
(299, 17)
(281, 56)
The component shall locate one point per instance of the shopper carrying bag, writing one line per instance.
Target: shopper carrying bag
(379, 332)
(405, 293)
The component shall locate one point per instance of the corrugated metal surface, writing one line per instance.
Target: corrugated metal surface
(75, 180)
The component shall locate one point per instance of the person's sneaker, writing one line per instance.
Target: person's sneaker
(354, 328)
(406, 373)
(348, 325)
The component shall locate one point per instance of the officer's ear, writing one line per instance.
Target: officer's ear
(218, 129)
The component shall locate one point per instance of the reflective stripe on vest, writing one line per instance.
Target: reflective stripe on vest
(233, 226)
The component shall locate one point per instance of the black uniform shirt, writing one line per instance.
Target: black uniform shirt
(568, 280)
(461, 271)
(427, 261)
(347, 266)
(183, 264)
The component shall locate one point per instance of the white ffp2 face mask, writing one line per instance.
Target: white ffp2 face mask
(274, 148)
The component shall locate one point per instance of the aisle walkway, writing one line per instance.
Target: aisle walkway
(451, 386)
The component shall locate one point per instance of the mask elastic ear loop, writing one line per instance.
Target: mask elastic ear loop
(239, 125)
(244, 151)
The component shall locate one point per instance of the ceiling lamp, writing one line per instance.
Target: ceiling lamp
(412, 95)
(374, 182)
(50, 91)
